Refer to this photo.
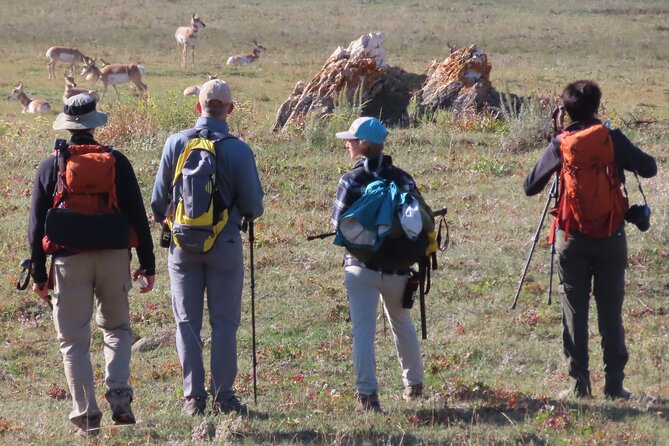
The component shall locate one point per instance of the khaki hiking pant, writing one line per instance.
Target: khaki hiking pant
(364, 286)
(79, 278)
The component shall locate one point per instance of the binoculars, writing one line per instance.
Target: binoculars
(639, 215)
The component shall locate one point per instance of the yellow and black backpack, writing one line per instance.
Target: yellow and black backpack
(199, 212)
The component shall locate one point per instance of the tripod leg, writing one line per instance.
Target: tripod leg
(534, 243)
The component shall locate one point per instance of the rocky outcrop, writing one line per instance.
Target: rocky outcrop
(353, 74)
(461, 82)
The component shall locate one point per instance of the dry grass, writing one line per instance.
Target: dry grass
(491, 373)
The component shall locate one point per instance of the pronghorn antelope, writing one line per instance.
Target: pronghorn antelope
(194, 90)
(71, 89)
(245, 59)
(29, 105)
(187, 37)
(63, 54)
(113, 74)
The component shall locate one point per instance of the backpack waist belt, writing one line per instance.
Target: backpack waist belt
(389, 271)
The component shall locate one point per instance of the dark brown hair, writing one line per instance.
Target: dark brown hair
(581, 99)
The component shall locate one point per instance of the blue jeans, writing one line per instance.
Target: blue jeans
(219, 272)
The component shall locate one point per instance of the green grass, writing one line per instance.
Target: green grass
(491, 373)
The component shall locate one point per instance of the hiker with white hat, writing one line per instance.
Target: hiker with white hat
(90, 266)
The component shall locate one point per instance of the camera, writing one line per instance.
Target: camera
(410, 290)
(165, 236)
(639, 215)
(60, 144)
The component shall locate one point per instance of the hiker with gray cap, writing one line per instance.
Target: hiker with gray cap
(365, 282)
(213, 265)
(90, 268)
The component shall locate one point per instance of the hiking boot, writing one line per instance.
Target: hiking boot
(368, 403)
(412, 392)
(88, 425)
(581, 389)
(232, 404)
(119, 401)
(194, 405)
(617, 392)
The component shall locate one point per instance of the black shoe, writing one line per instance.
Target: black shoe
(119, 402)
(231, 404)
(88, 425)
(617, 392)
(194, 405)
(581, 389)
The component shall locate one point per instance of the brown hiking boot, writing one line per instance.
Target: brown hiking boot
(412, 392)
(368, 403)
(194, 405)
(88, 425)
(119, 401)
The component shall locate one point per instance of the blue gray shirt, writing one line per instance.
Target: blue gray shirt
(237, 173)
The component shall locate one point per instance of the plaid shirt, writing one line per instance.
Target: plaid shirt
(353, 183)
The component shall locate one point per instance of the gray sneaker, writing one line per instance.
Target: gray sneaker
(194, 405)
(231, 404)
(368, 403)
(119, 401)
(412, 392)
(88, 425)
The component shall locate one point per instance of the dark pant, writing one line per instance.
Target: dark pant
(596, 265)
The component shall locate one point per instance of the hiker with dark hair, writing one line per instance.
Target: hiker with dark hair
(589, 232)
(365, 283)
(87, 274)
(214, 265)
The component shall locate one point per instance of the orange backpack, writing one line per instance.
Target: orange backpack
(591, 200)
(87, 180)
(85, 213)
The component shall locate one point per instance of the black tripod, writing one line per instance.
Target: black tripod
(552, 195)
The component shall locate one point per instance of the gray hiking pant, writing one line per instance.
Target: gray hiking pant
(364, 287)
(219, 272)
(598, 265)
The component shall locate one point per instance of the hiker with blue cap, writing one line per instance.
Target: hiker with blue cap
(365, 282)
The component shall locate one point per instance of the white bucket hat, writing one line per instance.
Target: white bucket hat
(79, 113)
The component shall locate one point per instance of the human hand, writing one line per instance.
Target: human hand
(42, 291)
(145, 282)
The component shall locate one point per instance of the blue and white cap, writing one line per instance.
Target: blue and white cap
(366, 129)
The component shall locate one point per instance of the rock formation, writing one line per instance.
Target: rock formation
(461, 82)
(353, 74)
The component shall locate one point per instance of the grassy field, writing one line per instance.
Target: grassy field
(492, 374)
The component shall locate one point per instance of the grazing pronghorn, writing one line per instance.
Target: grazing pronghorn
(29, 105)
(194, 90)
(245, 59)
(71, 89)
(187, 37)
(113, 74)
(63, 54)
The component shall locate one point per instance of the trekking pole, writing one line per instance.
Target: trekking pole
(422, 272)
(320, 236)
(253, 310)
(534, 242)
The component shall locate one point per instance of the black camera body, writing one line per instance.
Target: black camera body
(639, 215)
(60, 144)
(165, 236)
